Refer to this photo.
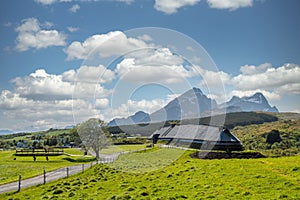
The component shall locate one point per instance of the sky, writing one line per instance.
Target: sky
(64, 61)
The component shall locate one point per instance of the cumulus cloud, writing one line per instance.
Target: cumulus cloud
(89, 74)
(85, 83)
(267, 77)
(130, 107)
(43, 114)
(273, 82)
(213, 78)
(31, 35)
(159, 66)
(104, 45)
(270, 95)
(45, 100)
(229, 4)
(172, 6)
(74, 8)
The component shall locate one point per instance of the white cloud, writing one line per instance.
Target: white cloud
(131, 107)
(104, 45)
(269, 95)
(72, 29)
(229, 4)
(172, 6)
(101, 103)
(213, 78)
(89, 74)
(74, 8)
(145, 38)
(159, 66)
(252, 69)
(268, 78)
(46, 100)
(30, 35)
(41, 85)
(84, 83)
(273, 82)
(29, 114)
(45, 2)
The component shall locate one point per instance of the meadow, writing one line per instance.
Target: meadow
(11, 166)
(173, 174)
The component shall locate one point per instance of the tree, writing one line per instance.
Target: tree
(93, 135)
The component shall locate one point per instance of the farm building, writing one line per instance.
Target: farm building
(202, 137)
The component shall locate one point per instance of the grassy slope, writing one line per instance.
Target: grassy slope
(269, 178)
(253, 136)
(120, 148)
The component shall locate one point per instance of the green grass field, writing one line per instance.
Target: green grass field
(10, 168)
(184, 178)
(121, 148)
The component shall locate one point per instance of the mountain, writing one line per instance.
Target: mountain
(195, 104)
(188, 105)
(257, 102)
(138, 117)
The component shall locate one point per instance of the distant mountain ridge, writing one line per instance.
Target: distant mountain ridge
(195, 104)
(138, 117)
(257, 102)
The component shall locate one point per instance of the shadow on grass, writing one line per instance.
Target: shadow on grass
(224, 155)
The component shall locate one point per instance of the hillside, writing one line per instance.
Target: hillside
(181, 178)
(277, 138)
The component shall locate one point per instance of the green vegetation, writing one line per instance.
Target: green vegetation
(121, 148)
(43, 139)
(73, 151)
(11, 166)
(28, 168)
(185, 178)
(255, 137)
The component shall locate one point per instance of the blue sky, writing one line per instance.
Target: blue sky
(46, 44)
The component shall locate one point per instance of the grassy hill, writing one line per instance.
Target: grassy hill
(255, 136)
(177, 177)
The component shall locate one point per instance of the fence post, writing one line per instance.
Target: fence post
(19, 186)
(82, 167)
(67, 171)
(44, 176)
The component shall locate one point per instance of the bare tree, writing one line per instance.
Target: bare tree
(93, 135)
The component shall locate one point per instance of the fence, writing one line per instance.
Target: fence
(39, 152)
(45, 177)
(59, 173)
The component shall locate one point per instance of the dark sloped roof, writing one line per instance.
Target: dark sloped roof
(197, 132)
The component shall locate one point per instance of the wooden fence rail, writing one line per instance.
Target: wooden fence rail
(39, 152)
